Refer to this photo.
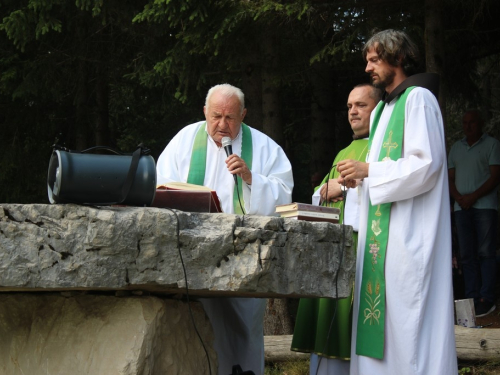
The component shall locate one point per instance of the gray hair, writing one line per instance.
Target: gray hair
(396, 48)
(227, 91)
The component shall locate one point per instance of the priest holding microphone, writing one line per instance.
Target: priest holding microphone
(264, 179)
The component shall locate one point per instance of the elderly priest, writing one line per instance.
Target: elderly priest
(264, 174)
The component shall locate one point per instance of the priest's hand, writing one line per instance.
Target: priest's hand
(237, 165)
(334, 191)
(350, 171)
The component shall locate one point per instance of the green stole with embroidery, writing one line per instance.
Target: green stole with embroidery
(198, 163)
(356, 151)
(371, 315)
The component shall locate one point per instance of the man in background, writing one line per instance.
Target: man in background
(474, 175)
(323, 325)
(403, 301)
(265, 180)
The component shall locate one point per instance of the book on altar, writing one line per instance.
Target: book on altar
(186, 197)
(305, 211)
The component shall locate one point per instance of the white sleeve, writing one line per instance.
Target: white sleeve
(417, 171)
(272, 179)
(173, 163)
(316, 197)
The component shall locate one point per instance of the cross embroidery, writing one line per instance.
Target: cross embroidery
(389, 144)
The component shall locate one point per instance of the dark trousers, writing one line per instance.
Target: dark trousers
(477, 234)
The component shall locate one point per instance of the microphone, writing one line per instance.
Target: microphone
(227, 144)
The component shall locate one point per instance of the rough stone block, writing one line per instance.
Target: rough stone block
(101, 335)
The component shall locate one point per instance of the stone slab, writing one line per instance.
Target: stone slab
(74, 247)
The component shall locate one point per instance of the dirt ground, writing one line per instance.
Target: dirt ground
(492, 320)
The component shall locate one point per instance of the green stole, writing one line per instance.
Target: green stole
(313, 324)
(198, 163)
(356, 151)
(371, 316)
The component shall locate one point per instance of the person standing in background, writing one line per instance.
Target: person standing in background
(474, 175)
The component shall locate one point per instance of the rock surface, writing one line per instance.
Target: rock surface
(101, 335)
(73, 247)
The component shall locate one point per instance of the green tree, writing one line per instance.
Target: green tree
(64, 67)
(121, 72)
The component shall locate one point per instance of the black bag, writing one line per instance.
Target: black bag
(85, 178)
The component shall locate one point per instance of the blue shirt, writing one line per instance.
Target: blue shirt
(472, 168)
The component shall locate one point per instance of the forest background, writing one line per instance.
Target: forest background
(120, 72)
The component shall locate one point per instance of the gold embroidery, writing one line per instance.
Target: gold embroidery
(376, 227)
(374, 249)
(388, 145)
(371, 313)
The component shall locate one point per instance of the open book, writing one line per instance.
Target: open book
(186, 197)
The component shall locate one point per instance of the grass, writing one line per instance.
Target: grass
(302, 368)
(479, 368)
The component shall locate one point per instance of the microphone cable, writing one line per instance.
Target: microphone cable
(187, 289)
(239, 198)
(177, 231)
(226, 143)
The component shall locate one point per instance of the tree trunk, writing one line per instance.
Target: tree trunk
(434, 47)
(82, 92)
(272, 121)
(323, 121)
(278, 319)
(102, 137)
(251, 84)
(81, 110)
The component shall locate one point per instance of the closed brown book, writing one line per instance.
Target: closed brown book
(186, 197)
(296, 206)
(332, 217)
(313, 218)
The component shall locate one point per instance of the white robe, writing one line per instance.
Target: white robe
(237, 322)
(419, 327)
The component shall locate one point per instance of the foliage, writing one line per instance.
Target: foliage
(210, 34)
(49, 84)
(122, 72)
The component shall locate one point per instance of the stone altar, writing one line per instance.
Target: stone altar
(101, 290)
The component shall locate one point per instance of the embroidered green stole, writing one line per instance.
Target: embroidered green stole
(357, 151)
(371, 316)
(198, 163)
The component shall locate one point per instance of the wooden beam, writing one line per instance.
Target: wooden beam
(277, 349)
(477, 343)
(472, 344)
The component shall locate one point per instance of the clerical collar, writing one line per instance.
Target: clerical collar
(430, 81)
(360, 136)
